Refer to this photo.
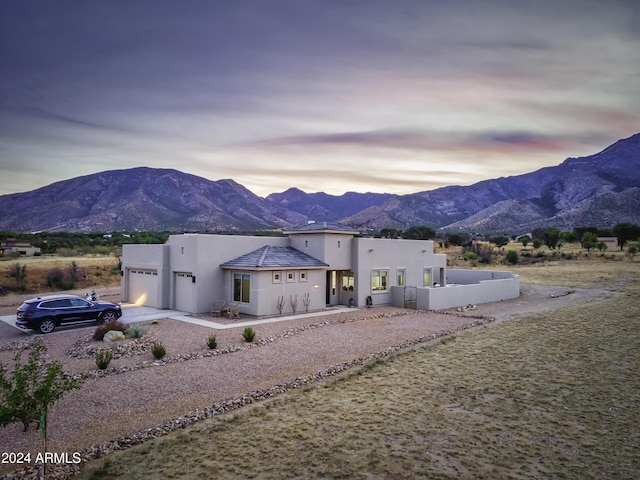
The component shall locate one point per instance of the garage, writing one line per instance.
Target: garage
(143, 287)
(184, 283)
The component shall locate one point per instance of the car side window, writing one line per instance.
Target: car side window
(60, 303)
(78, 302)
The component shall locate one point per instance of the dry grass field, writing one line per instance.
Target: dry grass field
(553, 395)
(93, 271)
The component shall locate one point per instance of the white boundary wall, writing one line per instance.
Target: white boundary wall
(464, 287)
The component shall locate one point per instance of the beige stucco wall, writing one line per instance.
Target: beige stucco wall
(263, 298)
(466, 287)
(202, 255)
(151, 257)
(331, 248)
(379, 253)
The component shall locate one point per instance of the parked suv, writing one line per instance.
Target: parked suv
(48, 312)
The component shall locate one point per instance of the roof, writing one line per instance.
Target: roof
(270, 257)
(321, 227)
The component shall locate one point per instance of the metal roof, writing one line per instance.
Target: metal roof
(270, 257)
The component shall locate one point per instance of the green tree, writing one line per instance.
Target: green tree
(512, 257)
(588, 240)
(419, 233)
(525, 239)
(500, 241)
(31, 388)
(601, 246)
(457, 238)
(625, 232)
(551, 237)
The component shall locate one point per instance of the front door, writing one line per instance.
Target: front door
(333, 292)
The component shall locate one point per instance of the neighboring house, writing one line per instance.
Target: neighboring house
(11, 245)
(610, 242)
(313, 266)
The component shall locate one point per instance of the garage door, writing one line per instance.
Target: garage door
(143, 287)
(184, 291)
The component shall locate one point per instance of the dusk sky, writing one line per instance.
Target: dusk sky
(394, 96)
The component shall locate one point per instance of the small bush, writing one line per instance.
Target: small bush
(212, 342)
(249, 334)
(158, 350)
(155, 322)
(470, 256)
(104, 328)
(103, 357)
(512, 257)
(136, 331)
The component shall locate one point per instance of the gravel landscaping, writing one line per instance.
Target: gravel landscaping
(138, 397)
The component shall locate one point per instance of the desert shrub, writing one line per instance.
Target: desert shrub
(103, 357)
(158, 350)
(249, 334)
(512, 257)
(470, 256)
(136, 331)
(155, 322)
(212, 342)
(59, 280)
(107, 326)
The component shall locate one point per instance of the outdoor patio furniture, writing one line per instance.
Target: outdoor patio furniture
(216, 308)
(232, 310)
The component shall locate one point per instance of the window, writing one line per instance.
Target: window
(277, 277)
(291, 276)
(426, 275)
(379, 281)
(400, 276)
(241, 287)
(348, 281)
(303, 275)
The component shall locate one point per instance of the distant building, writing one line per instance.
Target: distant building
(610, 242)
(11, 245)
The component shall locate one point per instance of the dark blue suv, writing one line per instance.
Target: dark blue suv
(48, 312)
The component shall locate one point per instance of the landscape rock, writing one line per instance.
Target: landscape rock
(113, 336)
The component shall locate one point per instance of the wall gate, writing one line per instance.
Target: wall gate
(410, 297)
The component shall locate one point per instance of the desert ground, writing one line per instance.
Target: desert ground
(543, 386)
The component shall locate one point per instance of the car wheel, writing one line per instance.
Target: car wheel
(109, 316)
(47, 326)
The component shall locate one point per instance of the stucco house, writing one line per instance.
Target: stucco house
(11, 245)
(313, 266)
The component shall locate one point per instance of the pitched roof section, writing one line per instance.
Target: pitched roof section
(269, 258)
(321, 227)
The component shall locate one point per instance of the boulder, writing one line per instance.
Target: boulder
(113, 336)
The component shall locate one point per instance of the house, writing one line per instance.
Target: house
(311, 267)
(11, 245)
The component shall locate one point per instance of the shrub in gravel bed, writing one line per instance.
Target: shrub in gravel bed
(159, 351)
(103, 357)
(212, 342)
(249, 334)
(136, 331)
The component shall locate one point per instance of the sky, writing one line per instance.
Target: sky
(395, 96)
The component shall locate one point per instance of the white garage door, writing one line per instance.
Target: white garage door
(184, 291)
(143, 287)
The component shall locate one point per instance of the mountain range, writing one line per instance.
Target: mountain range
(598, 190)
